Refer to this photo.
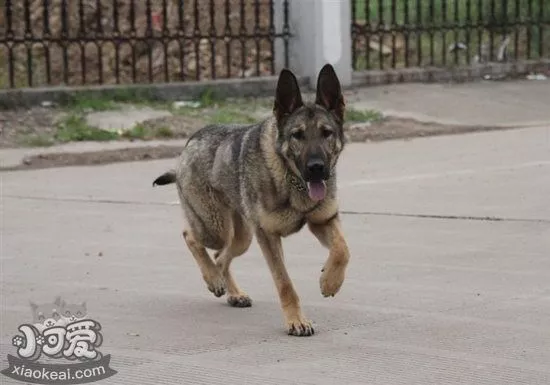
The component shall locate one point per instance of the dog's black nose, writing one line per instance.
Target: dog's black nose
(316, 168)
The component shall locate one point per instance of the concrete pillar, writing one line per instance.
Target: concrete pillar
(321, 32)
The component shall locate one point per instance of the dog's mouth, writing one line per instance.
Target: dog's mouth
(316, 189)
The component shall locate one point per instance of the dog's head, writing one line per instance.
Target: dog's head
(310, 136)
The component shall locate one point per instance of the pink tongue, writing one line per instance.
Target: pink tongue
(316, 190)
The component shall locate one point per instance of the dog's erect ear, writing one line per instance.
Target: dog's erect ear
(288, 97)
(329, 92)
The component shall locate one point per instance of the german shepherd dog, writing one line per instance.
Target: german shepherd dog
(269, 180)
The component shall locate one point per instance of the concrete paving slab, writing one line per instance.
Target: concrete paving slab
(487, 103)
(446, 299)
(124, 119)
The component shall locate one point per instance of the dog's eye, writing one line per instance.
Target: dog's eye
(298, 135)
(327, 133)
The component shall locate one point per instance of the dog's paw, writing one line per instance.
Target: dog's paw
(331, 280)
(300, 327)
(239, 300)
(216, 285)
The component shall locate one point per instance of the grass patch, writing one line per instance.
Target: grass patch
(225, 111)
(143, 132)
(210, 97)
(73, 128)
(229, 115)
(36, 140)
(353, 115)
(84, 102)
(112, 100)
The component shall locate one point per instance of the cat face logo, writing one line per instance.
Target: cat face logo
(56, 313)
(59, 329)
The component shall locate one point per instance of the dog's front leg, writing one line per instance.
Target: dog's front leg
(330, 235)
(272, 249)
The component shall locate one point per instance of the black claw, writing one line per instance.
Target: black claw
(301, 331)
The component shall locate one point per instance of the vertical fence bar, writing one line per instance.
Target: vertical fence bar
(517, 21)
(393, 32)
(116, 37)
(529, 26)
(47, 35)
(540, 24)
(354, 34)
(505, 30)
(444, 28)
(181, 40)
(197, 38)
(212, 36)
(166, 39)
(468, 31)
(257, 33)
(406, 32)
(100, 36)
(10, 36)
(81, 36)
(367, 31)
(457, 26)
(28, 37)
(242, 34)
(418, 28)
(64, 41)
(493, 25)
(479, 27)
(286, 30)
(228, 37)
(149, 39)
(133, 35)
(272, 36)
(431, 13)
(381, 34)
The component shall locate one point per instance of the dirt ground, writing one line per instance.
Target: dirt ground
(389, 128)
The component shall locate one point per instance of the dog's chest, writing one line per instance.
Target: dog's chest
(286, 216)
(282, 221)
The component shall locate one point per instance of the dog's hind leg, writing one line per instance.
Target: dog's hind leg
(212, 276)
(238, 244)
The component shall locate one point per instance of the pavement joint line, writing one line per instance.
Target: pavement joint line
(344, 212)
(445, 217)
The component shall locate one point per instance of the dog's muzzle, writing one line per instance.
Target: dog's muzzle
(316, 174)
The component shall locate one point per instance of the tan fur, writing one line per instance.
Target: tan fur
(238, 182)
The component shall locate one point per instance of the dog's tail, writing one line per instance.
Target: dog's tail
(166, 178)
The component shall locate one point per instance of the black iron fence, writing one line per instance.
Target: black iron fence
(83, 42)
(442, 33)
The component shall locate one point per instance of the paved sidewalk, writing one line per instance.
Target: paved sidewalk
(488, 103)
(448, 282)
